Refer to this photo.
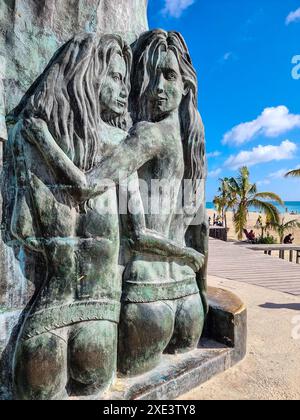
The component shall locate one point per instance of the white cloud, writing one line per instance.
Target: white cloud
(263, 182)
(215, 173)
(175, 8)
(280, 174)
(271, 123)
(293, 17)
(227, 56)
(262, 154)
(213, 154)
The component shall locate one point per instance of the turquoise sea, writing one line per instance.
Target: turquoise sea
(292, 207)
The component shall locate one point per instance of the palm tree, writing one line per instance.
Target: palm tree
(224, 201)
(294, 173)
(263, 225)
(246, 196)
(283, 228)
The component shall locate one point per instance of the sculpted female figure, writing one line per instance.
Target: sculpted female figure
(162, 308)
(68, 341)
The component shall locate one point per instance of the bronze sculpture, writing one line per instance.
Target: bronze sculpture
(69, 148)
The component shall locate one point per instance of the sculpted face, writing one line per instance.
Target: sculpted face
(168, 87)
(114, 93)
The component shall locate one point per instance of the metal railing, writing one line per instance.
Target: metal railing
(293, 250)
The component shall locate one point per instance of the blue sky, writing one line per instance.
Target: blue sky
(249, 89)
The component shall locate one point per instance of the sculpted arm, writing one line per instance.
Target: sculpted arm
(141, 145)
(146, 241)
(37, 133)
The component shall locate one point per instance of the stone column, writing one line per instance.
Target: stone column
(34, 29)
(127, 17)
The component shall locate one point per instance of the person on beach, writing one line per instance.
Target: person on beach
(288, 240)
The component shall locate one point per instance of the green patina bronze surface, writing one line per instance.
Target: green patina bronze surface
(31, 32)
(112, 292)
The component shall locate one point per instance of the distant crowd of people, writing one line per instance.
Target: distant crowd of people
(217, 221)
(293, 212)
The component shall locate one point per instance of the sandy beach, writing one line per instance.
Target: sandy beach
(251, 225)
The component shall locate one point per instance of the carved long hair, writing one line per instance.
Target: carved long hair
(67, 95)
(146, 56)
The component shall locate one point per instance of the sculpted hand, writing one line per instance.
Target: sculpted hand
(36, 131)
(33, 128)
(195, 258)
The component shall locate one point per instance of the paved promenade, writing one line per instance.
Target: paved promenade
(271, 370)
(235, 262)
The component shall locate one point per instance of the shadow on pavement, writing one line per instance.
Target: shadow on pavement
(292, 306)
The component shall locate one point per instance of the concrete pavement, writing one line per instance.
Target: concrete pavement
(271, 370)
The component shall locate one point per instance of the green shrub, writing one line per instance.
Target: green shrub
(268, 240)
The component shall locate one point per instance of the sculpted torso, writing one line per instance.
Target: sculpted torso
(99, 229)
(86, 234)
(163, 174)
(167, 170)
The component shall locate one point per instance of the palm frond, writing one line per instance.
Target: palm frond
(288, 225)
(252, 189)
(244, 172)
(233, 185)
(269, 196)
(269, 209)
(283, 228)
(294, 173)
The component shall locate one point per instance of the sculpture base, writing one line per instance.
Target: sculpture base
(175, 375)
(223, 345)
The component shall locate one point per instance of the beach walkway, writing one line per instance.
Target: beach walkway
(231, 261)
(271, 370)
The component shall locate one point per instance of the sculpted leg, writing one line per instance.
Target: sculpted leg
(92, 357)
(144, 332)
(189, 324)
(41, 368)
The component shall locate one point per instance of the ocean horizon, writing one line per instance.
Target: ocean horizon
(292, 207)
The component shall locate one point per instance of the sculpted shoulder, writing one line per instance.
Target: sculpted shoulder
(144, 127)
(16, 131)
(146, 134)
(110, 137)
(31, 128)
